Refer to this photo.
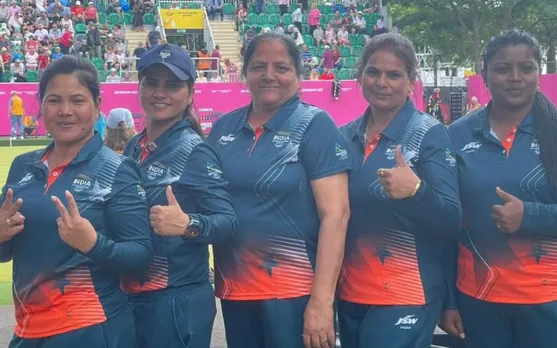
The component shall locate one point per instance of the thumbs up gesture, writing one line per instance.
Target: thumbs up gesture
(73, 229)
(169, 220)
(399, 182)
(11, 220)
(508, 217)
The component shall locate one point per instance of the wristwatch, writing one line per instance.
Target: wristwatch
(193, 229)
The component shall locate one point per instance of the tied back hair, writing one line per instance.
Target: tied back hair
(545, 112)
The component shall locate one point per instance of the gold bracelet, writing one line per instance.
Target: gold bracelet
(418, 185)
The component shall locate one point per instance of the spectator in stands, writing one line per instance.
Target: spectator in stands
(330, 35)
(474, 104)
(117, 32)
(28, 14)
(121, 58)
(17, 53)
(127, 77)
(283, 6)
(139, 50)
(4, 12)
(55, 33)
(350, 5)
(78, 12)
(279, 29)
(217, 6)
(314, 75)
(139, 11)
(295, 34)
(380, 27)
(6, 56)
(4, 42)
(113, 77)
(230, 68)
(41, 33)
(55, 11)
(348, 20)
(4, 30)
(32, 44)
(114, 7)
(91, 13)
(43, 20)
(14, 23)
(66, 41)
(337, 20)
(93, 39)
(360, 25)
(120, 128)
(31, 60)
(297, 17)
(109, 59)
(66, 21)
(215, 61)
(337, 57)
(319, 35)
(109, 42)
(370, 6)
(314, 18)
(343, 36)
(201, 77)
(153, 38)
(330, 59)
(241, 16)
(14, 9)
(57, 53)
(18, 71)
(43, 62)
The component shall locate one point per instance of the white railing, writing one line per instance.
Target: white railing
(208, 32)
(159, 23)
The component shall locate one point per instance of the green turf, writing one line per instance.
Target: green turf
(7, 154)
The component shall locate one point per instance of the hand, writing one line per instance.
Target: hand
(399, 182)
(11, 220)
(508, 217)
(169, 220)
(451, 323)
(73, 229)
(318, 325)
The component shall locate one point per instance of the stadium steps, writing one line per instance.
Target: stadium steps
(226, 36)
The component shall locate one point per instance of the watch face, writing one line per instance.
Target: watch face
(193, 228)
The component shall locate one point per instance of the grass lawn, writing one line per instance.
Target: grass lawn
(7, 154)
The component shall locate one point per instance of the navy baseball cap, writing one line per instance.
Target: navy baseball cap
(172, 57)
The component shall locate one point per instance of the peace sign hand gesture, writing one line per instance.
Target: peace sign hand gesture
(74, 230)
(11, 220)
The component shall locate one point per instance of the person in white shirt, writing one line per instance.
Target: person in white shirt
(41, 33)
(121, 58)
(67, 21)
(319, 36)
(360, 23)
(18, 71)
(380, 27)
(55, 33)
(113, 77)
(330, 36)
(31, 60)
(297, 17)
(109, 59)
(342, 36)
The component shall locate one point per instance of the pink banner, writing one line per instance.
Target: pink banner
(476, 87)
(211, 100)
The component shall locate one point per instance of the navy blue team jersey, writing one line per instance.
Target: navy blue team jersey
(270, 170)
(57, 289)
(183, 159)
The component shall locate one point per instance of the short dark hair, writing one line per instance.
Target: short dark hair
(398, 45)
(287, 41)
(83, 69)
(545, 112)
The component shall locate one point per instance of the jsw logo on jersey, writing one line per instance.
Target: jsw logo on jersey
(471, 147)
(226, 139)
(407, 321)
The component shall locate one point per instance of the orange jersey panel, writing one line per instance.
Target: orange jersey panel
(156, 278)
(57, 306)
(524, 273)
(278, 269)
(382, 270)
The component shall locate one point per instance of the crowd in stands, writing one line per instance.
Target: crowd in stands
(330, 36)
(33, 33)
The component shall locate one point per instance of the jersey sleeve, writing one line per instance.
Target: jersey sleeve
(438, 194)
(129, 249)
(539, 219)
(203, 181)
(324, 151)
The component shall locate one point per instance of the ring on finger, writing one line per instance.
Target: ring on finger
(498, 226)
(381, 173)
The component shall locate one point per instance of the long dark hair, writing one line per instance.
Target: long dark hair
(545, 112)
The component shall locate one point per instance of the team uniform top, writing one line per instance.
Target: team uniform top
(394, 247)
(57, 289)
(270, 170)
(493, 266)
(182, 158)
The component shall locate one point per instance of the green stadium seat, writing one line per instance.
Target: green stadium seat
(149, 19)
(354, 73)
(304, 19)
(323, 22)
(252, 9)
(308, 40)
(196, 6)
(228, 9)
(128, 18)
(305, 29)
(287, 19)
(274, 19)
(330, 17)
(80, 28)
(102, 18)
(353, 39)
(349, 62)
(252, 18)
(272, 8)
(98, 63)
(361, 40)
(320, 51)
(357, 51)
(263, 19)
(101, 7)
(6, 77)
(32, 76)
(345, 51)
(102, 75)
(344, 74)
(292, 7)
(326, 9)
(114, 18)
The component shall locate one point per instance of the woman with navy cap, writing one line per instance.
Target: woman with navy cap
(190, 207)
